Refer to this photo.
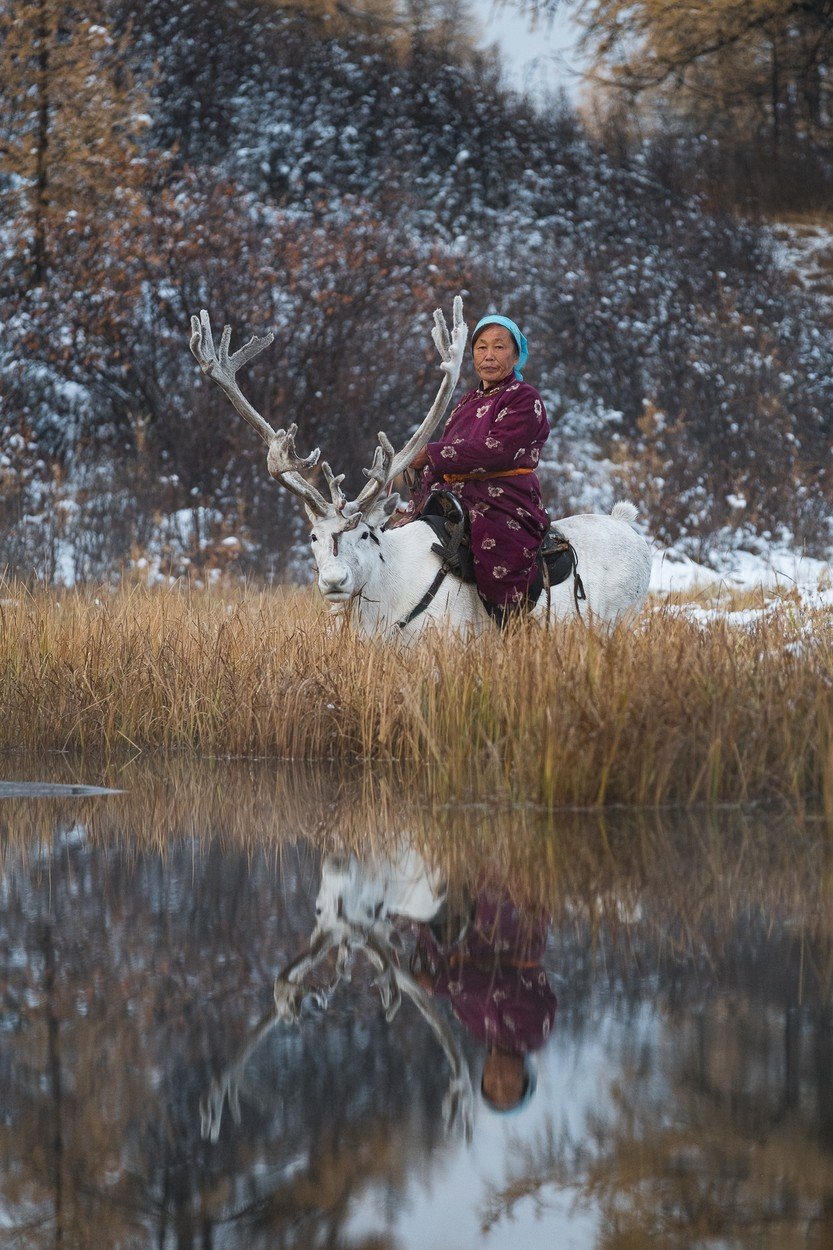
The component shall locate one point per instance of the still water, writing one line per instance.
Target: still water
(244, 1007)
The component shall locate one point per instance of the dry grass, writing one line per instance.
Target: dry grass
(663, 713)
(719, 596)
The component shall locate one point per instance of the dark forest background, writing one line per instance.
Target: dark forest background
(333, 172)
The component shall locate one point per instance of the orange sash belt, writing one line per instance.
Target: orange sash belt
(481, 477)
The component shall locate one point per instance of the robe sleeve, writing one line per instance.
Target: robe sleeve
(518, 429)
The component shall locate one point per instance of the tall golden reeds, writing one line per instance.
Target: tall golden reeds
(665, 712)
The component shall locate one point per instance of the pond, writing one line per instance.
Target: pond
(251, 1006)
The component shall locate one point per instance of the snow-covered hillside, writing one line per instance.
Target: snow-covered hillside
(685, 354)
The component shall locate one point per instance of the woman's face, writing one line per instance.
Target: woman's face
(495, 354)
(504, 1077)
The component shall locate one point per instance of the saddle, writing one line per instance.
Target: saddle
(556, 558)
(450, 522)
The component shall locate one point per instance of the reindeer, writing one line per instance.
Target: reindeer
(357, 910)
(392, 579)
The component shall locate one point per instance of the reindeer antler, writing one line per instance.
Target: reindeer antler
(283, 462)
(388, 463)
(221, 369)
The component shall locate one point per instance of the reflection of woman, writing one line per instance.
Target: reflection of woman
(497, 989)
(487, 456)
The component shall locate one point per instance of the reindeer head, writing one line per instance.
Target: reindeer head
(344, 550)
(344, 533)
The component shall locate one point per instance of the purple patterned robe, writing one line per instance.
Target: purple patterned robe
(492, 433)
(493, 978)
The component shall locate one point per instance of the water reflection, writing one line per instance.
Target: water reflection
(485, 960)
(683, 1090)
(361, 909)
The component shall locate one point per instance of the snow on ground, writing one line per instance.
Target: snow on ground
(780, 577)
(779, 570)
(776, 572)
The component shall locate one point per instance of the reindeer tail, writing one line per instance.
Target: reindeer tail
(623, 511)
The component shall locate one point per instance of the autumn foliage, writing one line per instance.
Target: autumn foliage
(753, 76)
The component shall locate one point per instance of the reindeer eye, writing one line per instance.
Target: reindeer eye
(366, 534)
(313, 538)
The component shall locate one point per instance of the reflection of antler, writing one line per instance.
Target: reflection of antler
(290, 993)
(228, 1085)
(392, 982)
(459, 1098)
(290, 989)
(354, 907)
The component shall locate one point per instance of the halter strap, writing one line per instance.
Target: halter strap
(425, 600)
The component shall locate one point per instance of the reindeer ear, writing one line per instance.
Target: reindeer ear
(312, 515)
(351, 522)
(383, 509)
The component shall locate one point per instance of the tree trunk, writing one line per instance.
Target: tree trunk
(775, 101)
(39, 246)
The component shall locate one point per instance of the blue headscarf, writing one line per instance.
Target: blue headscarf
(520, 341)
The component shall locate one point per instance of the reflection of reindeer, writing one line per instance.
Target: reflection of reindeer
(357, 909)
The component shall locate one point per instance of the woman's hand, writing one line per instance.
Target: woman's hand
(420, 460)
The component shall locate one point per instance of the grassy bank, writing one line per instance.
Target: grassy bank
(667, 712)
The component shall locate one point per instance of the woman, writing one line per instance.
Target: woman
(487, 456)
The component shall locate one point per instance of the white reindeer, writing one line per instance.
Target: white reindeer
(391, 579)
(357, 910)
